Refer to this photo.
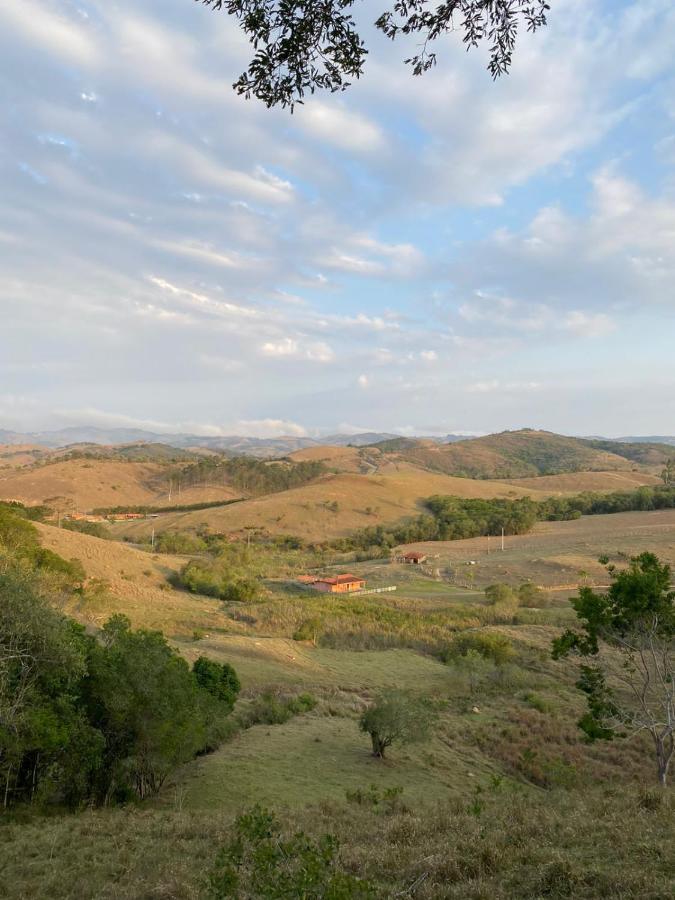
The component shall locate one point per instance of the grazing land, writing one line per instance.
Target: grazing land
(558, 555)
(85, 484)
(503, 797)
(334, 505)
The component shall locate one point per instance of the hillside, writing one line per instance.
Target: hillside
(84, 484)
(333, 506)
(647, 453)
(133, 583)
(574, 482)
(511, 454)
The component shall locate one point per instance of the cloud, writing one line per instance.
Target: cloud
(262, 428)
(52, 32)
(340, 127)
(289, 348)
(170, 250)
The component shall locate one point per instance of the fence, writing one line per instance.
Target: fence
(381, 590)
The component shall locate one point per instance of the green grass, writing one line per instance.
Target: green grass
(314, 759)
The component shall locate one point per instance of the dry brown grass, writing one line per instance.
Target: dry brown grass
(576, 482)
(90, 483)
(361, 500)
(555, 554)
(136, 586)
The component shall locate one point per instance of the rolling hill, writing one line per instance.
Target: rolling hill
(510, 454)
(84, 484)
(333, 506)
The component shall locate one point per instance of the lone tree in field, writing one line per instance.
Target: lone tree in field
(396, 717)
(304, 45)
(627, 637)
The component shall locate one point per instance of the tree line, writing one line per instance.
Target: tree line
(454, 518)
(248, 474)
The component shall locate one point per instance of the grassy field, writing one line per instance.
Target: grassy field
(332, 507)
(503, 799)
(556, 554)
(84, 484)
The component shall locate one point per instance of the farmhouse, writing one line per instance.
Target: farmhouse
(340, 584)
(413, 558)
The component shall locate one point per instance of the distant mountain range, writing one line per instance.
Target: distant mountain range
(275, 446)
(254, 446)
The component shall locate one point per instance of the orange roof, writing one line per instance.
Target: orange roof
(342, 579)
(414, 555)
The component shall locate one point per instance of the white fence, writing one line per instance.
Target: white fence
(382, 590)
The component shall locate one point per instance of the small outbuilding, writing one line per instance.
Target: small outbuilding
(413, 558)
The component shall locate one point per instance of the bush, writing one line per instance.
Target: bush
(94, 529)
(270, 708)
(500, 595)
(215, 578)
(495, 647)
(259, 862)
(529, 595)
(179, 542)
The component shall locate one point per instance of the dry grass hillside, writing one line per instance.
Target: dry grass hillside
(310, 511)
(134, 583)
(511, 454)
(85, 484)
(14, 456)
(343, 459)
(575, 482)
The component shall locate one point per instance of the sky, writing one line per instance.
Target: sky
(416, 255)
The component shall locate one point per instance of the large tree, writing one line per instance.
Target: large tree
(304, 45)
(627, 642)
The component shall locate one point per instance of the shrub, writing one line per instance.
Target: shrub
(94, 529)
(495, 647)
(530, 595)
(500, 594)
(259, 862)
(270, 708)
(179, 542)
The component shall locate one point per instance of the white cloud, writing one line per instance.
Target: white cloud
(292, 349)
(340, 127)
(52, 31)
(267, 428)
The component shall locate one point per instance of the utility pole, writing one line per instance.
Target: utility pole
(502, 539)
(152, 539)
(488, 537)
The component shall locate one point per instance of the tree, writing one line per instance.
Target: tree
(668, 474)
(628, 637)
(220, 680)
(313, 44)
(147, 704)
(396, 717)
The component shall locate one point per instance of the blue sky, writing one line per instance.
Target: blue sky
(422, 255)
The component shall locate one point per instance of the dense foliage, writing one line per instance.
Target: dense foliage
(85, 718)
(216, 577)
(250, 475)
